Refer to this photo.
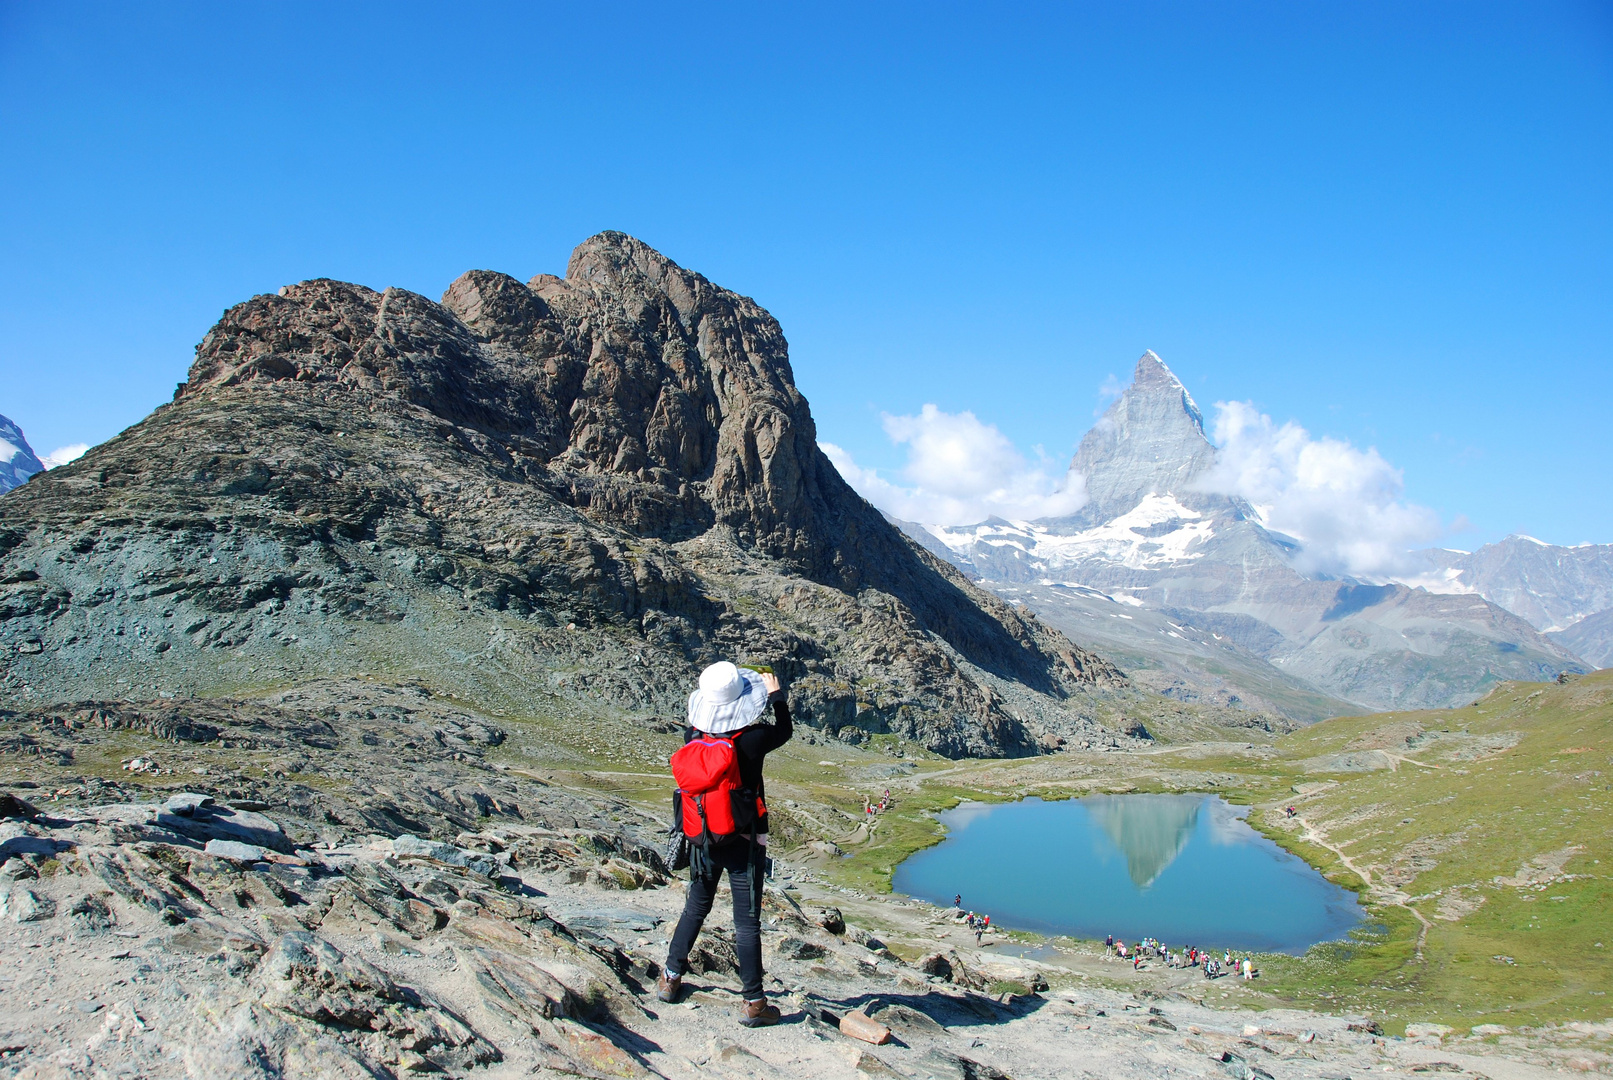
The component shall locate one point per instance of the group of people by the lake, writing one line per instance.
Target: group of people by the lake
(974, 921)
(1190, 957)
(870, 807)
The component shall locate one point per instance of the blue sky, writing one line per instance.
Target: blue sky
(1388, 223)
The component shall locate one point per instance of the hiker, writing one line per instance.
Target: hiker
(1109, 942)
(957, 901)
(726, 739)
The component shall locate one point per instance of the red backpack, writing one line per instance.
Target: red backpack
(712, 806)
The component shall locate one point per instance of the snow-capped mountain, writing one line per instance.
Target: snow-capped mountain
(1559, 590)
(1154, 535)
(17, 459)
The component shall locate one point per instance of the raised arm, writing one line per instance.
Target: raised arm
(779, 732)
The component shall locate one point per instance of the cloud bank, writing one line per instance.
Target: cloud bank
(63, 454)
(1343, 504)
(960, 471)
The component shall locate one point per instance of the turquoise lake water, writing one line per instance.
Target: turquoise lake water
(1186, 869)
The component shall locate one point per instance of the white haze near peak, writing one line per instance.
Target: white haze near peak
(63, 454)
(1343, 504)
(960, 471)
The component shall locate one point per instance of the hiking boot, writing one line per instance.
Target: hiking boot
(759, 1014)
(668, 987)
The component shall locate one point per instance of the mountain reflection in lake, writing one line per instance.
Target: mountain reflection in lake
(1182, 868)
(1150, 832)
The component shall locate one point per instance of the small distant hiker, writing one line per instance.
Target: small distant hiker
(957, 901)
(720, 803)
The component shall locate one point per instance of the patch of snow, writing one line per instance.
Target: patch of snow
(1121, 541)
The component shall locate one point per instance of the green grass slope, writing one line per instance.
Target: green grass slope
(1480, 837)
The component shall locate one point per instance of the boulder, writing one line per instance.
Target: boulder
(859, 1025)
(202, 820)
(414, 847)
(24, 905)
(235, 851)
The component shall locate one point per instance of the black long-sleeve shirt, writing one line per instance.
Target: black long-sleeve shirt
(755, 742)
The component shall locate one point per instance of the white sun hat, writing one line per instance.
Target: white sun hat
(728, 699)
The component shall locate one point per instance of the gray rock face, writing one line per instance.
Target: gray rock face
(1151, 440)
(1236, 618)
(1590, 638)
(558, 497)
(17, 459)
(1553, 587)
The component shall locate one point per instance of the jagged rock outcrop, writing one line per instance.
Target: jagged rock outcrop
(557, 497)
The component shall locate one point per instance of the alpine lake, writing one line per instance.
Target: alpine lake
(1184, 869)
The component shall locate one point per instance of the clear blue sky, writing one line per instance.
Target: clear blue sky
(1391, 223)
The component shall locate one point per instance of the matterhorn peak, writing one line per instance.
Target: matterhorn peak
(1151, 372)
(1150, 441)
(1152, 376)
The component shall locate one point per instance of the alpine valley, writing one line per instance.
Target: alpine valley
(337, 695)
(1186, 588)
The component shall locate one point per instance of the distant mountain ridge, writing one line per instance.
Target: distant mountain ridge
(1565, 592)
(1155, 535)
(17, 459)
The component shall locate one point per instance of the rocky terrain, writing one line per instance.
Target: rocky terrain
(17, 459)
(1240, 621)
(554, 498)
(361, 880)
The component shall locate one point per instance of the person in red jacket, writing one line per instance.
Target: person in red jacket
(730, 702)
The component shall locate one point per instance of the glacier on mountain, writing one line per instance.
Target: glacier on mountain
(1156, 532)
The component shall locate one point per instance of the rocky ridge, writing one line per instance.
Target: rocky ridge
(558, 497)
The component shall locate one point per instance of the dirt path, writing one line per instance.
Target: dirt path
(1313, 834)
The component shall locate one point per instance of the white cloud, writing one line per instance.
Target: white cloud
(960, 471)
(1343, 504)
(63, 454)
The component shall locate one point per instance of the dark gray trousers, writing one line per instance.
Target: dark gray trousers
(705, 872)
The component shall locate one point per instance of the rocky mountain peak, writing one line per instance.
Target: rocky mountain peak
(1150, 441)
(1152, 376)
(614, 470)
